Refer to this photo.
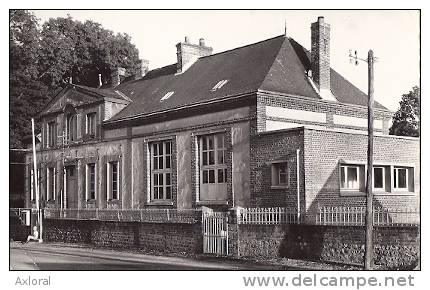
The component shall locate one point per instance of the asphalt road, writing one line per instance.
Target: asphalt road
(41, 256)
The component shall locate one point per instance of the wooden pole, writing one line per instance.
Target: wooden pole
(36, 183)
(368, 259)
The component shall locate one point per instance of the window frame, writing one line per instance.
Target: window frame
(89, 182)
(110, 180)
(155, 172)
(51, 137)
(396, 178)
(276, 174)
(91, 123)
(72, 127)
(216, 166)
(50, 187)
(344, 168)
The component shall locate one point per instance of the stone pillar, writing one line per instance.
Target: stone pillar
(126, 172)
(137, 176)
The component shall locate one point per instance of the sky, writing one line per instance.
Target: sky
(393, 35)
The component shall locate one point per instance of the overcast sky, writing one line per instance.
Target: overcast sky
(393, 36)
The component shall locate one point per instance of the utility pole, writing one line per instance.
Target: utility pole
(368, 254)
(36, 183)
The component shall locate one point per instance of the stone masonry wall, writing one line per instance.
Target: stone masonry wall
(157, 237)
(395, 247)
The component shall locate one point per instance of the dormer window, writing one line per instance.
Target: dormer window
(71, 127)
(166, 96)
(90, 128)
(219, 85)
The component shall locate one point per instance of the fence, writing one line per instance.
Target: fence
(273, 215)
(341, 216)
(356, 216)
(139, 215)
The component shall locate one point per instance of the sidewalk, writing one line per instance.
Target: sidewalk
(167, 260)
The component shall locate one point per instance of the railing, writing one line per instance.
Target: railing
(356, 216)
(338, 216)
(139, 215)
(267, 216)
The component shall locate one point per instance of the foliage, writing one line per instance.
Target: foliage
(406, 121)
(42, 60)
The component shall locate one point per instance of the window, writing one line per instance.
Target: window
(50, 175)
(212, 168)
(400, 178)
(379, 178)
(213, 151)
(219, 85)
(349, 177)
(166, 96)
(91, 125)
(52, 134)
(71, 127)
(91, 181)
(280, 174)
(161, 170)
(113, 180)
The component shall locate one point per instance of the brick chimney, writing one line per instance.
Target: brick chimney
(320, 55)
(142, 70)
(188, 53)
(117, 76)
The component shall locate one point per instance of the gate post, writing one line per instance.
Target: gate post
(233, 231)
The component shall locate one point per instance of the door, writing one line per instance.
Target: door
(215, 233)
(71, 200)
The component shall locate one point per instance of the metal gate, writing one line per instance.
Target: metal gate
(215, 233)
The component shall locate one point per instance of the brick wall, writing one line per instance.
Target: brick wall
(265, 149)
(395, 247)
(325, 150)
(159, 237)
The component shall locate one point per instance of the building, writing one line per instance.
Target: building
(264, 125)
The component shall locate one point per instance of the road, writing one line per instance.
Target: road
(46, 256)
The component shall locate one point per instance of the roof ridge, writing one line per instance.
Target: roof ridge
(240, 47)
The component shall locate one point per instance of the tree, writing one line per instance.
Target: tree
(83, 51)
(406, 121)
(27, 92)
(42, 59)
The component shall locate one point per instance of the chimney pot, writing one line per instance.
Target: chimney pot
(321, 19)
(187, 39)
(100, 80)
(202, 42)
(188, 53)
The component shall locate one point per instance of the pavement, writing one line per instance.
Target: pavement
(59, 256)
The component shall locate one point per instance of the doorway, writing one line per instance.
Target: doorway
(71, 192)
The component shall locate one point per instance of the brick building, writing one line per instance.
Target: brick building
(268, 124)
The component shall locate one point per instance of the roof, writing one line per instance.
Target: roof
(277, 64)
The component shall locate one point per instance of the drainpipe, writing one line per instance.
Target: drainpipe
(298, 184)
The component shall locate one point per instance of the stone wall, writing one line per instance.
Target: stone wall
(157, 237)
(395, 247)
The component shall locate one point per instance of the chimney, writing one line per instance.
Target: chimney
(320, 55)
(100, 80)
(142, 70)
(117, 76)
(187, 53)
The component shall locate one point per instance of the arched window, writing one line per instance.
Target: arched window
(72, 127)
